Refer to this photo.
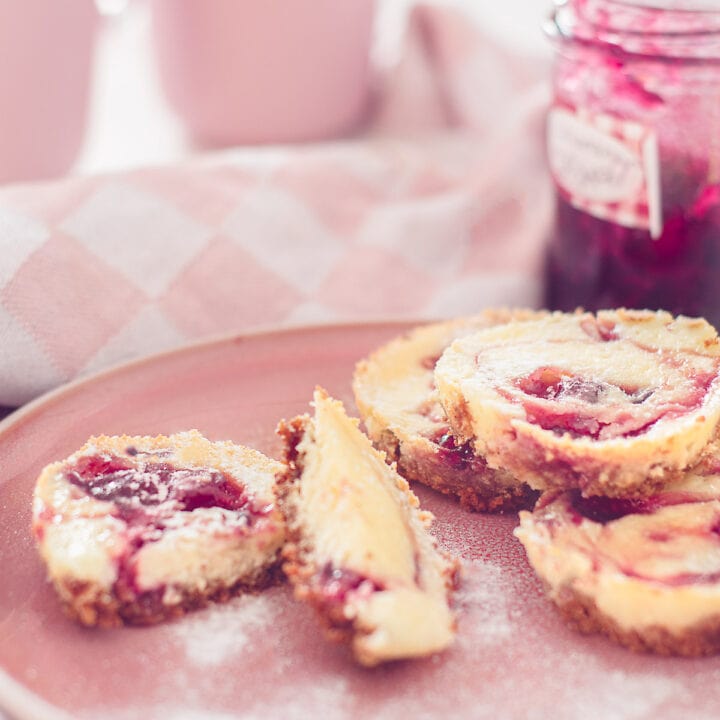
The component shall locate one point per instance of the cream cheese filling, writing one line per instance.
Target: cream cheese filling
(193, 558)
(84, 549)
(356, 513)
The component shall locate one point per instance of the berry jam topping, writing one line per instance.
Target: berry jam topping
(603, 510)
(551, 383)
(146, 495)
(336, 584)
(457, 456)
(128, 485)
(564, 403)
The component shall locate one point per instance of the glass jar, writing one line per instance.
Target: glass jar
(634, 149)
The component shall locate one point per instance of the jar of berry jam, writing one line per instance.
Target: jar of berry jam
(634, 150)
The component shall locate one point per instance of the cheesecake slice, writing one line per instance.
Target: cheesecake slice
(644, 571)
(139, 529)
(359, 548)
(617, 403)
(395, 394)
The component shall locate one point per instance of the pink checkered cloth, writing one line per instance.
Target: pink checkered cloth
(445, 221)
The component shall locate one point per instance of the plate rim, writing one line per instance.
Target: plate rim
(26, 411)
(18, 702)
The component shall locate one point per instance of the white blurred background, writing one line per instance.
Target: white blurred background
(130, 124)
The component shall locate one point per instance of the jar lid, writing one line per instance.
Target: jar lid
(676, 5)
(681, 29)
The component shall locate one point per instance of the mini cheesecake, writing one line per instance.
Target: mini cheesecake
(616, 404)
(645, 571)
(359, 549)
(139, 529)
(395, 394)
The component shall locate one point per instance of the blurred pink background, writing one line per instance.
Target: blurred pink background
(131, 122)
(419, 189)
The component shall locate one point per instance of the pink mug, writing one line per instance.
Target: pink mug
(254, 71)
(46, 48)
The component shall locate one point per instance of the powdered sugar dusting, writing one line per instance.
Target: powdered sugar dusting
(215, 635)
(168, 712)
(612, 694)
(192, 714)
(482, 602)
(327, 698)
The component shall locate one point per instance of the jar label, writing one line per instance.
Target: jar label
(606, 166)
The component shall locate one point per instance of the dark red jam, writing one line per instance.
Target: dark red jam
(550, 383)
(636, 85)
(146, 494)
(566, 404)
(558, 386)
(597, 264)
(460, 456)
(149, 484)
(336, 584)
(603, 510)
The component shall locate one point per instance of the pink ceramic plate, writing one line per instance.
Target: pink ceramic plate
(263, 656)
